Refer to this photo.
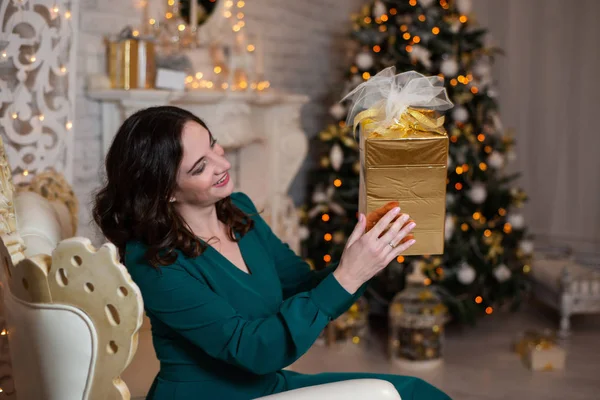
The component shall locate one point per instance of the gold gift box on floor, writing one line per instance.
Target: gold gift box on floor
(539, 351)
(131, 64)
(411, 169)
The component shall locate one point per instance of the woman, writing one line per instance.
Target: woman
(230, 304)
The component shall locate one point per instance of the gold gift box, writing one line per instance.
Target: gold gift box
(539, 351)
(410, 169)
(131, 64)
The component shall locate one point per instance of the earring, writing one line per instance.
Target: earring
(172, 200)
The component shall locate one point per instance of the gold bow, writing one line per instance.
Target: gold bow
(411, 120)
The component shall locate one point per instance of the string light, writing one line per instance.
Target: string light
(325, 217)
(488, 149)
(422, 17)
(225, 85)
(409, 48)
(236, 28)
(152, 21)
(489, 310)
(453, 139)
(240, 15)
(241, 4)
(41, 117)
(435, 30)
(526, 269)
(189, 79)
(366, 75)
(474, 90)
(326, 258)
(478, 299)
(199, 75)
(68, 15)
(458, 186)
(337, 183)
(481, 137)
(465, 167)
(406, 36)
(459, 170)
(227, 14)
(229, 4)
(25, 173)
(4, 332)
(502, 212)
(137, 33)
(376, 48)
(15, 115)
(250, 48)
(69, 125)
(393, 11)
(507, 228)
(453, 82)
(355, 340)
(464, 227)
(169, 15)
(217, 69)
(4, 55)
(413, 2)
(382, 28)
(353, 69)
(328, 237)
(367, 20)
(32, 59)
(482, 166)
(416, 39)
(427, 281)
(384, 18)
(55, 9)
(462, 19)
(476, 215)
(180, 28)
(487, 233)
(403, 28)
(400, 259)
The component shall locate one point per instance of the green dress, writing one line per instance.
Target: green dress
(221, 333)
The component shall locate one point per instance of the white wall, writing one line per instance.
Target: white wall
(548, 91)
(304, 49)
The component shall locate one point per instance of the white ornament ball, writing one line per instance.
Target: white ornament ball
(493, 93)
(449, 227)
(364, 61)
(449, 162)
(460, 114)
(449, 67)
(336, 156)
(478, 193)
(426, 3)
(319, 196)
(337, 111)
(526, 246)
(450, 200)
(303, 232)
(466, 274)
(511, 156)
(482, 69)
(502, 273)
(455, 27)
(495, 160)
(379, 9)
(464, 6)
(516, 220)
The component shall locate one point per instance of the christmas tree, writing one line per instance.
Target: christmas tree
(486, 251)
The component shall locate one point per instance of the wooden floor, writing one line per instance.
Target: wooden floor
(479, 363)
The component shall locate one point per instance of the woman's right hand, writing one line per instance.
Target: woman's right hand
(366, 253)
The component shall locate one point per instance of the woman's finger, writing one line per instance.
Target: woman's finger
(403, 233)
(398, 250)
(383, 222)
(389, 237)
(358, 231)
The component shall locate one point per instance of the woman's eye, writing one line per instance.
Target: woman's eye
(213, 141)
(200, 169)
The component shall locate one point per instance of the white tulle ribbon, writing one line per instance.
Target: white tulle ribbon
(390, 102)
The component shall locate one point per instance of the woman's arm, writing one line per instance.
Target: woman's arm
(263, 345)
(294, 273)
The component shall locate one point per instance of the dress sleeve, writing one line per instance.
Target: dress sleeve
(208, 321)
(294, 273)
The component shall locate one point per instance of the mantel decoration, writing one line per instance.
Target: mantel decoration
(216, 54)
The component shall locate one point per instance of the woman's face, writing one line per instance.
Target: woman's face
(203, 177)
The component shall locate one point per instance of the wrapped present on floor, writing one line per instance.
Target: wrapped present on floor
(404, 150)
(539, 351)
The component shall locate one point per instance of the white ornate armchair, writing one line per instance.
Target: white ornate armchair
(71, 313)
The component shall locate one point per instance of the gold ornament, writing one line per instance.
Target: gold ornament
(325, 162)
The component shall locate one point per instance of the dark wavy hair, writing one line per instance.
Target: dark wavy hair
(141, 171)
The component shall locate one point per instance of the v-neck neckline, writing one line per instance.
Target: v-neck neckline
(240, 239)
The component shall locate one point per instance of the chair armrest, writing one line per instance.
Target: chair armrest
(354, 389)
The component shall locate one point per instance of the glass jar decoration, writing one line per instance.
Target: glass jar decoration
(416, 320)
(351, 326)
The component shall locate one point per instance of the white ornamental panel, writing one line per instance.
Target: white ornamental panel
(37, 84)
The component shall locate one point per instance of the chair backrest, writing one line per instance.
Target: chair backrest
(72, 313)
